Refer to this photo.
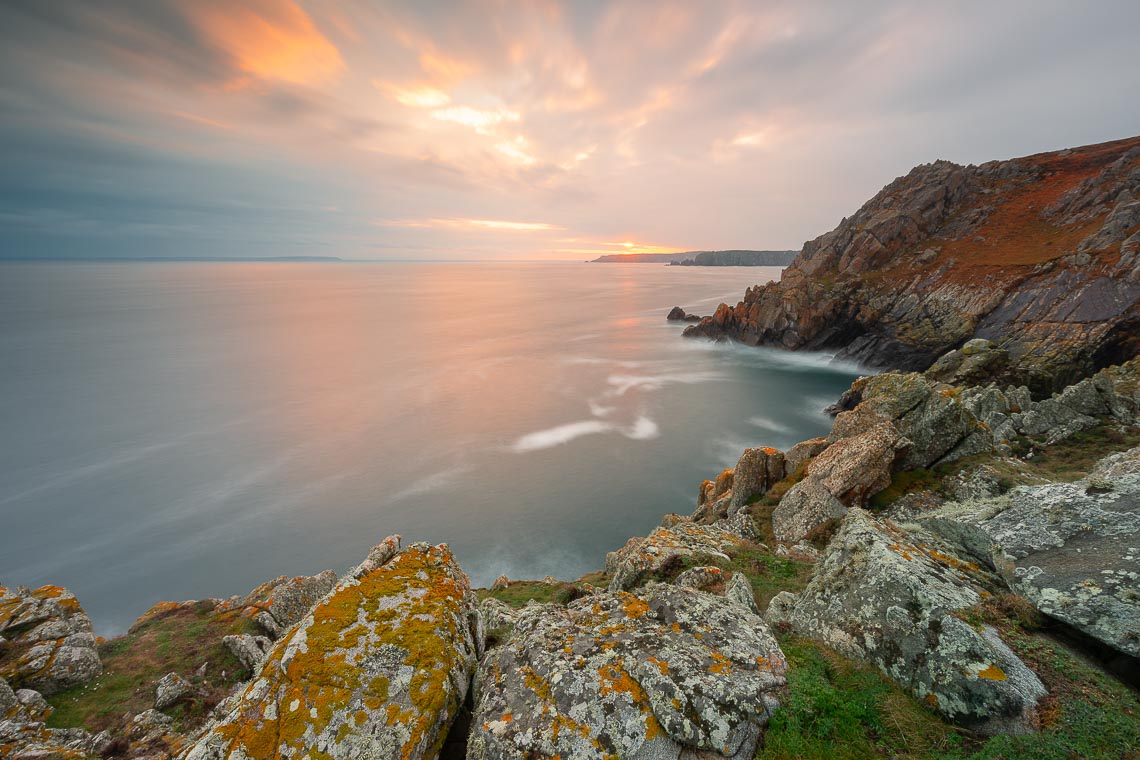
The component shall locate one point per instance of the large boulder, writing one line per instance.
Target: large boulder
(888, 597)
(847, 473)
(1073, 549)
(757, 470)
(672, 672)
(930, 415)
(642, 556)
(49, 642)
(378, 669)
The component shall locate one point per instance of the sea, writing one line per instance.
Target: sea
(184, 430)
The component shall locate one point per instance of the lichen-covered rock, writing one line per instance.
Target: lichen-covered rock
(757, 470)
(49, 642)
(1073, 549)
(887, 597)
(707, 578)
(802, 452)
(378, 669)
(284, 601)
(722, 484)
(249, 650)
(641, 556)
(848, 473)
(496, 614)
(23, 735)
(806, 506)
(669, 673)
(931, 416)
(500, 583)
(170, 690)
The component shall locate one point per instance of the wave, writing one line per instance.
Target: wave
(642, 429)
(625, 383)
(765, 423)
(556, 436)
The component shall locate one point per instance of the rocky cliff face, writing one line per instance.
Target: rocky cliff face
(1039, 254)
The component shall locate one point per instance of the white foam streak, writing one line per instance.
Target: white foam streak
(556, 436)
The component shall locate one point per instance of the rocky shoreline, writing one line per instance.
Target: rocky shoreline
(899, 543)
(953, 571)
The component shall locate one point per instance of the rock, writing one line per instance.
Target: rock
(707, 578)
(931, 416)
(979, 482)
(50, 644)
(1072, 549)
(23, 735)
(848, 473)
(496, 614)
(250, 651)
(500, 583)
(806, 506)
(757, 470)
(170, 690)
(642, 556)
(677, 314)
(671, 672)
(740, 591)
(722, 484)
(8, 701)
(802, 452)
(955, 261)
(285, 601)
(378, 669)
(705, 492)
(888, 597)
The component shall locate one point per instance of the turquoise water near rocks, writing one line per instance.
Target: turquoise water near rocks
(182, 430)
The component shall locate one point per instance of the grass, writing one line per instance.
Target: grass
(1072, 458)
(179, 641)
(836, 709)
(767, 573)
(910, 481)
(519, 593)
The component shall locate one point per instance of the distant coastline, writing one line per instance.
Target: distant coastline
(731, 258)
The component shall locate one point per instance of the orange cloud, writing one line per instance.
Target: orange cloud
(271, 39)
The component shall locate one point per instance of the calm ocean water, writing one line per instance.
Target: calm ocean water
(183, 430)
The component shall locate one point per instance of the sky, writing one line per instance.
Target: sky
(525, 130)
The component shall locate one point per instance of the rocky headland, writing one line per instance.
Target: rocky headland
(953, 571)
(1036, 254)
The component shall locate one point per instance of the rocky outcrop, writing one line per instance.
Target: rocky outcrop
(671, 672)
(847, 473)
(677, 314)
(170, 690)
(24, 736)
(49, 645)
(274, 606)
(757, 471)
(1032, 254)
(888, 597)
(249, 650)
(642, 556)
(1072, 549)
(379, 668)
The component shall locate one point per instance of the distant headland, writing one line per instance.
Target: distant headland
(735, 258)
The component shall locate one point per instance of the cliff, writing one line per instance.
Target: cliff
(739, 259)
(1038, 254)
(644, 258)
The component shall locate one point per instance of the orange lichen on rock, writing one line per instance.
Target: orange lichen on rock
(389, 651)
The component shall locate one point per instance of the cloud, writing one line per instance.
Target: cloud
(691, 126)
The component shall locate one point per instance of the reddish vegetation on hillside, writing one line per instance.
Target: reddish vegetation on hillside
(1039, 254)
